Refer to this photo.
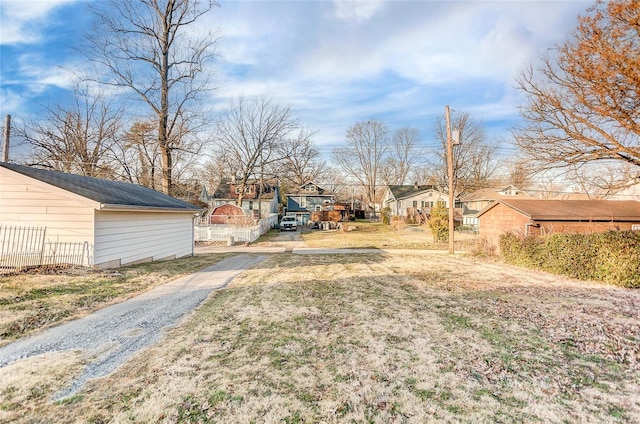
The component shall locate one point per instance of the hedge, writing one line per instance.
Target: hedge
(612, 257)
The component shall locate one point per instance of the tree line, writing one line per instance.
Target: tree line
(581, 109)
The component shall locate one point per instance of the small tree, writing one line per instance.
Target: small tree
(439, 222)
(386, 215)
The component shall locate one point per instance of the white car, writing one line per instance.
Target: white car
(288, 223)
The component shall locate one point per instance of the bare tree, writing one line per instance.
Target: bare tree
(148, 47)
(301, 159)
(520, 175)
(139, 155)
(362, 158)
(249, 136)
(402, 156)
(474, 159)
(77, 139)
(583, 107)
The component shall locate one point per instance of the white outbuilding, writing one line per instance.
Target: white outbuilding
(120, 223)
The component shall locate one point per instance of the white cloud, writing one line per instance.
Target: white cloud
(22, 21)
(356, 10)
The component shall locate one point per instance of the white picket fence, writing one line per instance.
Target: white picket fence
(220, 232)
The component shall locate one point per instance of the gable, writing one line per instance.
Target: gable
(407, 191)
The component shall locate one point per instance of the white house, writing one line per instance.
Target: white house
(121, 223)
(422, 197)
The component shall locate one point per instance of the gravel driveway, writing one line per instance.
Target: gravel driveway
(110, 336)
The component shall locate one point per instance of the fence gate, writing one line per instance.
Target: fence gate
(26, 247)
(21, 247)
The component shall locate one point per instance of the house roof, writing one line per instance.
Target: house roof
(108, 193)
(572, 210)
(224, 190)
(494, 193)
(405, 191)
(302, 190)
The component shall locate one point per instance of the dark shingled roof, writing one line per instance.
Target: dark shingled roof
(112, 193)
(404, 191)
(573, 210)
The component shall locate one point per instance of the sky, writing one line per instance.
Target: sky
(334, 62)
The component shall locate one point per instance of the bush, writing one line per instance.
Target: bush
(439, 222)
(386, 215)
(398, 223)
(612, 257)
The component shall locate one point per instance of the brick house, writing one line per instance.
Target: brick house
(543, 217)
(473, 203)
(259, 201)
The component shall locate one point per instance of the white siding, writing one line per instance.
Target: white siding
(28, 202)
(126, 237)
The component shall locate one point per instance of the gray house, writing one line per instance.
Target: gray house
(308, 198)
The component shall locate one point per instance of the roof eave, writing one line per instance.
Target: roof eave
(134, 208)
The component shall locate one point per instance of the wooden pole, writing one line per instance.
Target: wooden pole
(450, 170)
(7, 136)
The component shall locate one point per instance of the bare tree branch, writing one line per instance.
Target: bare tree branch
(584, 106)
(145, 47)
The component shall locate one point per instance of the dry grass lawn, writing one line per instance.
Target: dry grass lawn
(32, 301)
(369, 338)
(366, 234)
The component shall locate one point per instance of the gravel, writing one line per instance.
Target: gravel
(110, 336)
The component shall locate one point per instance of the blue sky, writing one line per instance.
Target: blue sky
(334, 62)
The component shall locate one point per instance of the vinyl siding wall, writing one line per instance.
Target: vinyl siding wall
(27, 202)
(130, 237)
(423, 200)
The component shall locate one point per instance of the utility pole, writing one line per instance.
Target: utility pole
(7, 136)
(450, 170)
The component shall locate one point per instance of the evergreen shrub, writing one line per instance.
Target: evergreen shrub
(612, 257)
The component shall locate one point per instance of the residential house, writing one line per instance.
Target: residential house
(309, 198)
(475, 202)
(259, 200)
(119, 223)
(629, 193)
(538, 217)
(420, 197)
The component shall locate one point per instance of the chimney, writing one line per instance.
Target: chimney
(415, 185)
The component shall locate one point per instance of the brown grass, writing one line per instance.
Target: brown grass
(377, 338)
(33, 301)
(379, 235)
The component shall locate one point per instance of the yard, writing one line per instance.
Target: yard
(411, 337)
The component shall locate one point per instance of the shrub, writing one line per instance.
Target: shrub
(612, 257)
(439, 222)
(386, 215)
(398, 223)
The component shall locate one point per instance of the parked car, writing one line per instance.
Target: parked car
(288, 223)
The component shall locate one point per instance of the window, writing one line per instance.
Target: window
(423, 204)
(415, 203)
(318, 208)
(246, 190)
(635, 227)
(250, 205)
